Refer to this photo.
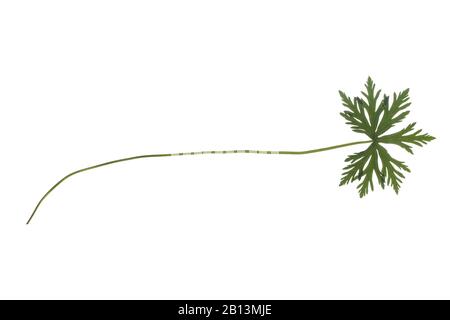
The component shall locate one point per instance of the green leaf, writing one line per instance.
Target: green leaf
(373, 117)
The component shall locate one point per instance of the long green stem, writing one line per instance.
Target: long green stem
(186, 154)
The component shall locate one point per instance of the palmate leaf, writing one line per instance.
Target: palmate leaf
(373, 117)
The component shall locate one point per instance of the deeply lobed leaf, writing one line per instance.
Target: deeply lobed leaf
(374, 117)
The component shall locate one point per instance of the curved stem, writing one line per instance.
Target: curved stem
(325, 149)
(185, 154)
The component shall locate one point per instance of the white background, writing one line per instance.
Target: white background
(82, 82)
